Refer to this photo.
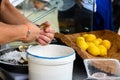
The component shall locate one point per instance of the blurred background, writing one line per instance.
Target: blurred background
(67, 16)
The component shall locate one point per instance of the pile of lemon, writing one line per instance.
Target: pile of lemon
(93, 45)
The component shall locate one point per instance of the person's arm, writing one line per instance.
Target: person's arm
(9, 14)
(13, 27)
(9, 33)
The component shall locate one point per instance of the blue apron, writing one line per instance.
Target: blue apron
(103, 18)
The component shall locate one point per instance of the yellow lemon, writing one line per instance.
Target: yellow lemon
(94, 50)
(82, 44)
(106, 43)
(80, 38)
(84, 35)
(103, 50)
(90, 43)
(96, 42)
(99, 39)
(90, 37)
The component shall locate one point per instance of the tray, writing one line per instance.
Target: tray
(18, 68)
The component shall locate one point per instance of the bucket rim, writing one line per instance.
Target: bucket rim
(50, 57)
(60, 57)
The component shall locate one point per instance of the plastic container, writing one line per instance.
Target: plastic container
(102, 69)
(51, 62)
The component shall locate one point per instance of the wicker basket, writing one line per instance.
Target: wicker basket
(113, 52)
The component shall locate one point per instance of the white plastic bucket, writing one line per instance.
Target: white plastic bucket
(50, 62)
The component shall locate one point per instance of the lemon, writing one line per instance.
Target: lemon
(82, 44)
(94, 50)
(90, 37)
(84, 35)
(106, 44)
(99, 39)
(96, 42)
(80, 38)
(90, 43)
(103, 50)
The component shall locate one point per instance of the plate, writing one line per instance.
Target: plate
(12, 67)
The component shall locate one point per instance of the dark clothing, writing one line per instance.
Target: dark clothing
(103, 17)
(84, 19)
(0, 1)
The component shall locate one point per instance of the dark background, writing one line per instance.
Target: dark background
(79, 19)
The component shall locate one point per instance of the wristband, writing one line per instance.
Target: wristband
(25, 39)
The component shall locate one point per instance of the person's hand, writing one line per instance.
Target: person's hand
(33, 33)
(46, 34)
